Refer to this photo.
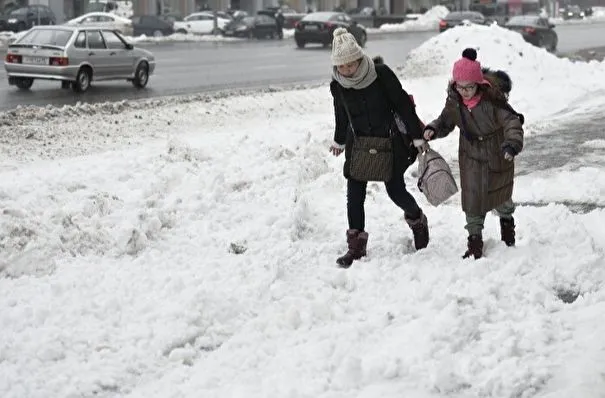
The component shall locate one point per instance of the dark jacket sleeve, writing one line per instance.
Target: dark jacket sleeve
(341, 120)
(445, 123)
(513, 131)
(400, 100)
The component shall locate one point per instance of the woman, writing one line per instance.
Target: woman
(491, 135)
(370, 93)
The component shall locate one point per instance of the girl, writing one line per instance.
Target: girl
(491, 135)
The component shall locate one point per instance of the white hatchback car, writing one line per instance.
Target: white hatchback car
(200, 23)
(104, 20)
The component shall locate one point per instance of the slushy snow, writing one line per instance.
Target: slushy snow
(188, 250)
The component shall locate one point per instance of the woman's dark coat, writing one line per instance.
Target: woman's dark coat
(371, 110)
(486, 178)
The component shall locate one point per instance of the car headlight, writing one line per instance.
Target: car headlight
(12, 20)
(241, 28)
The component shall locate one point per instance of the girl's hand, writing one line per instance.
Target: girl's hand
(428, 134)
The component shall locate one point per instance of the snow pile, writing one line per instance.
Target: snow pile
(427, 21)
(200, 262)
(536, 74)
(181, 37)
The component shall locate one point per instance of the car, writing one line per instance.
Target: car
(535, 30)
(572, 12)
(318, 27)
(456, 18)
(151, 25)
(24, 18)
(258, 26)
(104, 20)
(201, 23)
(76, 56)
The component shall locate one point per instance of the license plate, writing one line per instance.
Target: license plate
(311, 27)
(35, 60)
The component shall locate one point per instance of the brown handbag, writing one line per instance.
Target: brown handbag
(371, 157)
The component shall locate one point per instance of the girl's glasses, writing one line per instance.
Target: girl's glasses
(470, 87)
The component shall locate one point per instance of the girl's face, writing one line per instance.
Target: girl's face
(466, 89)
(348, 70)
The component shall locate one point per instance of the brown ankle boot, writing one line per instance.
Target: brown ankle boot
(420, 229)
(474, 247)
(357, 242)
(507, 231)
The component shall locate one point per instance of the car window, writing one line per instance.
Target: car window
(112, 40)
(90, 19)
(52, 37)
(80, 40)
(95, 40)
(105, 18)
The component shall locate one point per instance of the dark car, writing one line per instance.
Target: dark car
(151, 25)
(535, 30)
(318, 27)
(25, 17)
(572, 12)
(456, 18)
(258, 26)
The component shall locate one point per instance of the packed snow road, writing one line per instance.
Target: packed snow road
(186, 68)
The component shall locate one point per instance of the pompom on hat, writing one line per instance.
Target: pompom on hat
(468, 69)
(345, 48)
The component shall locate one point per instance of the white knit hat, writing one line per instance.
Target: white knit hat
(344, 48)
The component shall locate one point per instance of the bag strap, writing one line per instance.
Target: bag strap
(344, 104)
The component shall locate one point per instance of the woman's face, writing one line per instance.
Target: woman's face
(348, 70)
(466, 89)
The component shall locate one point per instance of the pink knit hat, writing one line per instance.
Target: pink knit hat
(468, 69)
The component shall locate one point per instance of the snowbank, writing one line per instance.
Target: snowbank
(180, 249)
(537, 75)
(427, 21)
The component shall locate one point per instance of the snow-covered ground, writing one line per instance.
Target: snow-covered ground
(178, 248)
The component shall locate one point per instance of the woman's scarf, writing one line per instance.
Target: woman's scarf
(362, 78)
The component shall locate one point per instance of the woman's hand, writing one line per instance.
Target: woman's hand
(336, 149)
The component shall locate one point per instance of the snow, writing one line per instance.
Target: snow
(186, 247)
(427, 21)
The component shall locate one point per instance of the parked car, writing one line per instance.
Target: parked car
(201, 23)
(535, 30)
(75, 56)
(456, 18)
(318, 27)
(104, 20)
(25, 17)
(151, 25)
(259, 26)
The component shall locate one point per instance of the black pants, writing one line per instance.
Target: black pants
(356, 196)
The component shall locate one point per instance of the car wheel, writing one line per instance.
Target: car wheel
(141, 76)
(300, 44)
(157, 33)
(25, 83)
(83, 78)
(21, 27)
(182, 31)
(65, 85)
(216, 31)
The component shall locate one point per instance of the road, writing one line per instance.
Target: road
(186, 68)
